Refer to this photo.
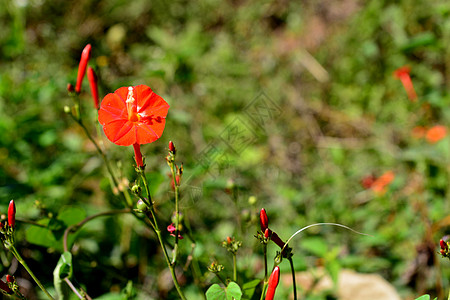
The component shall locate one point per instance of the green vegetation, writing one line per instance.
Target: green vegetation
(289, 104)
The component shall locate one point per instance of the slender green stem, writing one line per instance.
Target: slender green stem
(177, 212)
(24, 264)
(293, 277)
(234, 268)
(264, 289)
(158, 234)
(105, 159)
(220, 278)
(166, 256)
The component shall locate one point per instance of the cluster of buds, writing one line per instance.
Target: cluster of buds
(92, 77)
(215, 267)
(170, 158)
(231, 244)
(444, 248)
(10, 287)
(274, 279)
(7, 228)
(172, 229)
(266, 233)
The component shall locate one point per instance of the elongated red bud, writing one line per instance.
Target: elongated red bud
(10, 279)
(172, 147)
(138, 155)
(5, 287)
(85, 55)
(93, 84)
(263, 219)
(443, 245)
(266, 233)
(273, 283)
(12, 214)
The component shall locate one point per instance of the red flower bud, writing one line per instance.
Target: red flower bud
(93, 84)
(172, 147)
(443, 245)
(5, 287)
(10, 279)
(12, 214)
(273, 282)
(263, 219)
(85, 55)
(228, 240)
(138, 155)
(70, 88)
(266, 233)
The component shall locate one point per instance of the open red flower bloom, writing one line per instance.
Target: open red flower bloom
(133, 115)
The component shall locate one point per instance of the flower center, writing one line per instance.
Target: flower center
(134, 117)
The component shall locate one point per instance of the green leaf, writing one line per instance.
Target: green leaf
(424, 297)
(215, 292)
(249, 288)
(233, 291)
(63, 270)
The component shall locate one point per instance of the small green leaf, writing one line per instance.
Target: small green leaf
(63, 270)
(424, 297)
(65, 265)
(233, 291)
(249, 288)
(215, 292)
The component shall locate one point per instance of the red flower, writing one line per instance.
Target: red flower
(436, 133)
(273, 283)
(403, 75)
(85, 55)
(93, 84)
(171, 228)
(133, 115)
(172, 147)
(12, 214)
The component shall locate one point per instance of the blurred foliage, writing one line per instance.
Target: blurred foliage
(292, 102)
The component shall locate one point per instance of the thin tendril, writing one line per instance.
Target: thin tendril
(318, 224)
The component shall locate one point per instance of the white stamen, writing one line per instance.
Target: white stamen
(130, 98)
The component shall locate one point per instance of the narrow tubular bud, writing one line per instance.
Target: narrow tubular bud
(266, 233)
(443, 245)
(273, 283)
(138, 155)
(85, 55)
(172, 147)
(12, 214)
(263, 219)
(93, 84)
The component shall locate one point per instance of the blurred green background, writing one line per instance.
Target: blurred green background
(292, 102)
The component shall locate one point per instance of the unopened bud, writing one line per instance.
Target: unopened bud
(70, 88)
(172, 148)
(263, 219)
(141, 205)
(10, 278)
(12, 214)
(266, 233)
